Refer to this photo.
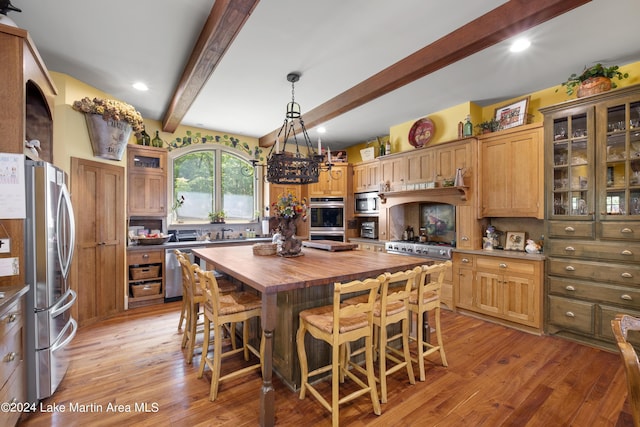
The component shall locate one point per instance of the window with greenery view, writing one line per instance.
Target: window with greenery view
(214, 180)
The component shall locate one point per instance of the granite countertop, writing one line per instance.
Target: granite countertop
(502, 253)
(200, 243)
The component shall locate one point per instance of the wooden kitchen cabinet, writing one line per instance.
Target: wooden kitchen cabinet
(511, 171)
(366, 176)
(452, 156)
(146, 181)
(146, 276)
(333, 183)
(393, 171)
(421, 166)
(468, 228)
(507, 289)
(592, 188)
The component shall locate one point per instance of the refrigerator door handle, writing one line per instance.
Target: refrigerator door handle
(57, 308)
(65, 230)
(72, 324)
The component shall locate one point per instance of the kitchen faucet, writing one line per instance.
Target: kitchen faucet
(225, 229)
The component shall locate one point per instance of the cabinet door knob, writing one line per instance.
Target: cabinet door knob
(626, 297)
(569, 229)
(626, 230)
(10, 357)
(570, 268)
(12, 317)
(145, 256)
(502, 265)
(626, 252)
(570, 249)
(626, 275)
(570, 314)
(570, 288)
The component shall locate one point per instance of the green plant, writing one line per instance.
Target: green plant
(217, 216)
(489, 125)
(597, 70)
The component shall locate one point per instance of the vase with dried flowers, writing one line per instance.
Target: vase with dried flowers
(288, 209)
(109, 123)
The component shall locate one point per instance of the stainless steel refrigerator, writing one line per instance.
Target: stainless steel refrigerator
(49, 245)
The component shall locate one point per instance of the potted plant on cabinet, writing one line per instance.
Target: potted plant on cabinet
(594, 79)
(489, 126)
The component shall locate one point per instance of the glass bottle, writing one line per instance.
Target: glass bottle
(468, 127)
(156, 141)
(388, 147)
(144, 139)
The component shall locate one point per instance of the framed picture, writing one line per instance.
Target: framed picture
(515, 241)
(513, 114)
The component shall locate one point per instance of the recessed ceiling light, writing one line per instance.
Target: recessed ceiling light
(140, 86)
(321, 129)
(519, 45)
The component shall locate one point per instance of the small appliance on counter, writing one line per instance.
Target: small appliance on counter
(369, 230)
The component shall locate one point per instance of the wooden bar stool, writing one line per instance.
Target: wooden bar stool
(192, 298)
(220, 309)
(621, 325)
(391, 307)
(424, 298)
(338, 324)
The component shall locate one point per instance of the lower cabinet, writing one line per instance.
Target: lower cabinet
(370, 246)
(146, 277)
(507, 289)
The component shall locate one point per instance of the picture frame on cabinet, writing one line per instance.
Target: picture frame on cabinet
(514, 114)
(515, 241)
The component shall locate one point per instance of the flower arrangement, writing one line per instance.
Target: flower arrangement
(111, 109)
(289, 206)
(597, 70)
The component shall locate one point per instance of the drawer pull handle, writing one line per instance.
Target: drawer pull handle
(145, 256)
(12, 318)
(10, 357)
(569, 229)
(502, 265)
(570, 288)
(626, 230)
(465, 239)
(570, 314)
(626, 252)
(465, 260)
(570, 268)
(626, 297)
(570, 249)
(626, 275)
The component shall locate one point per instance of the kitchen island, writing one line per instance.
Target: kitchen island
(273, 276)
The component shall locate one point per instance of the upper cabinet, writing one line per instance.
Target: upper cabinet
(366, 176)
(511, 165)
(146, 181)
(334, 182)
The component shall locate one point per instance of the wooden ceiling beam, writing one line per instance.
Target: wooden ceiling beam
(501, 23)
(226, 19)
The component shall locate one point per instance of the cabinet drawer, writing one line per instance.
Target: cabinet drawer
(595, 271)
(571, 314)
(10, 353)
(573, 229)
(619, 251)
(508, 265)
(11, 318)
(145, 257)
(13, 391)
(618, 295)
(627, 230)
(607, 314)
(464, 260)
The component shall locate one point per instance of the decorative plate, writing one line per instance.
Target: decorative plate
(421, 132)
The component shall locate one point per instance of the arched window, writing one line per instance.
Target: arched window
(212, 181)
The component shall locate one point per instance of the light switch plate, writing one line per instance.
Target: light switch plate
(5, 246)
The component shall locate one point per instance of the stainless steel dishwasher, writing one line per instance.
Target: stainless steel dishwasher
(173, 274)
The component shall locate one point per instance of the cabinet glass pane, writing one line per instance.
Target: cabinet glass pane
(146, 162)
(571, 180)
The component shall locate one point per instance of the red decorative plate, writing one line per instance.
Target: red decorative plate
(421, 132)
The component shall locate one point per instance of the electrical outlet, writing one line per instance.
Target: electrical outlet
(5, 246)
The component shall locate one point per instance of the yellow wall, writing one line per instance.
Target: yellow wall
(71, 138)
(446, 121)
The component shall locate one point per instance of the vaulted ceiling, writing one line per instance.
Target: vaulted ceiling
(365, 65)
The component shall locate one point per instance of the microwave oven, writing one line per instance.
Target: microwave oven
(366, 203)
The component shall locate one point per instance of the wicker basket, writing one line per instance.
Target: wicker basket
(147, 272)
(263, 249)
(145, 289)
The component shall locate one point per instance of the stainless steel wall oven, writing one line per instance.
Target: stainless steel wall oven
(327, 218)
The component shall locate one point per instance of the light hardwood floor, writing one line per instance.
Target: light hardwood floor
(496, 377)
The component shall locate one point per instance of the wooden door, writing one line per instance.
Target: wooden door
(488, 295)
(520, 299)
(97, 192)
